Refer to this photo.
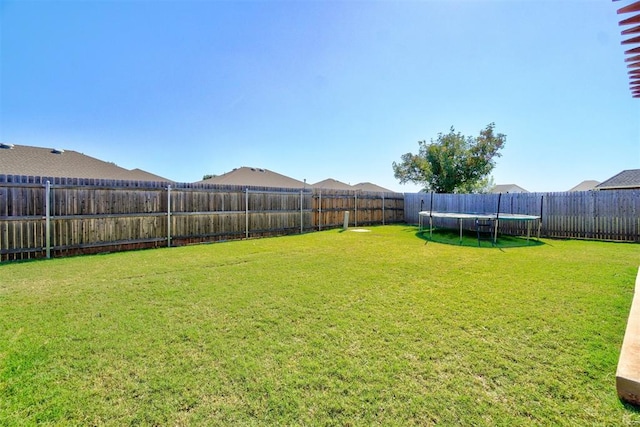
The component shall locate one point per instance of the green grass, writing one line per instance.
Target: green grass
(328, 328)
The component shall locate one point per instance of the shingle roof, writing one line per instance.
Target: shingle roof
(585, 185)
(508, 188)
(629, 178)
(38, 161)
(257, 177)
(367, 186)
(142, 175)
(332, 184)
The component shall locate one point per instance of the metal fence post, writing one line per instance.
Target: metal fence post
(246, 213)
(301, 212)
(320, 210)
(355, 211)
(168, 216)
(47, 209)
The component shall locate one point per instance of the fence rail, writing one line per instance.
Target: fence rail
(598, 215)
(41, 217)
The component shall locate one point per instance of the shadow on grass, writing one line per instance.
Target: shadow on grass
(450, 236)
(629, 406)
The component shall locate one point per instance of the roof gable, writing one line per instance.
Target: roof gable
(332, 184)
(508, 188)
(39, 161)
(256, 177)
(368, 186)
(585, 185)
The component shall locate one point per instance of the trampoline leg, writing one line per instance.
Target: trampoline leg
(431, 228)
(460, 222)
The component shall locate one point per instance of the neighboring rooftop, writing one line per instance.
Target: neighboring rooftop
(629, 178)
(332, 184)
(51, 162)
(508, 188)
(367, 186)
(586, 185)
(257, 177)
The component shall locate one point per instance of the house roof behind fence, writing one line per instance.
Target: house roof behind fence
(256, 177)
(332, 184)
(142, 175)
(368, 186)
(38, 161)
(629, 178)
(508, 188)
(585, 185)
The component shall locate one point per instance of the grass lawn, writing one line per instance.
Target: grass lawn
(329, 328)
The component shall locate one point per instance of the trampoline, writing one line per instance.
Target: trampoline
(493, 218)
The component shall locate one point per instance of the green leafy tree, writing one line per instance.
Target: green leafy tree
(208, 176)
(453, 163)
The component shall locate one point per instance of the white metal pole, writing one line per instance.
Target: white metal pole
(320, 210)
(168, 216)
(246, 213)
(47, 227)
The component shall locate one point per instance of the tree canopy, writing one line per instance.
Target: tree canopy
(453, 163)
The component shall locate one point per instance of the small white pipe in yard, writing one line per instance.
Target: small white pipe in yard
(47, 209)
(168, 216)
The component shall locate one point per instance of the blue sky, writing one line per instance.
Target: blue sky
(319, 89)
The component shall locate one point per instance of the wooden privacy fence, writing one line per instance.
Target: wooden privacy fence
(42, 217)
(599, 215)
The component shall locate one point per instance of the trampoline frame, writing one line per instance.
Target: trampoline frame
(495, 218)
